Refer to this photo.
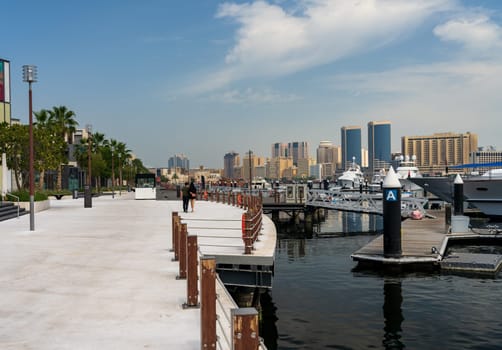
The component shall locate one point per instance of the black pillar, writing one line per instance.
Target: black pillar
(392, 216)
(458, 196)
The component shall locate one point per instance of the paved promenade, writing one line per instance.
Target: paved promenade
(96, 278)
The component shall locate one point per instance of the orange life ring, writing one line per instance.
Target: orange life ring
(239, 199)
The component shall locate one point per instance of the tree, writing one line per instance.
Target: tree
(124, 155)
(14, 142)
(65, 124)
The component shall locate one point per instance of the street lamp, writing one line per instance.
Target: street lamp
(88, 187)
(113, 174)
(30, 76)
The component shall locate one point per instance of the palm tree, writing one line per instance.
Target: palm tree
(124, 155)
(64, 119)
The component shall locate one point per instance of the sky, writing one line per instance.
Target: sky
(203, 77)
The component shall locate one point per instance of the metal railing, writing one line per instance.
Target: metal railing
(14, 196)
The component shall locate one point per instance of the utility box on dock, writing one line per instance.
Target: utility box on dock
(296, 193)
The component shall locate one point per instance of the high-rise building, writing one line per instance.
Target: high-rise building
(279, 149)
(230, 161)
(351, 145)
(435, 153)
(483, 156)
(179, 161)
(298, 150)
(327, 153)
(277, 167)
(254, 162)
(379, 145)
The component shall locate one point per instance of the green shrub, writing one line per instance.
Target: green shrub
(24, 196)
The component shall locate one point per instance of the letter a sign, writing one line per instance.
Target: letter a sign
(391, 195)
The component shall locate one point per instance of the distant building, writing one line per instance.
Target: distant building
(5, 117)
(179, 161)
(327, 153)
(298, 150)
(316, 171)
(230, 161)
(254, 162)
(351, 145)
(279, 149)
(303, 168)
(436, 152)
(379, 145)
(278, 166)
(483, 156)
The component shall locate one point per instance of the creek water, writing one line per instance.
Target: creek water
(321, 300)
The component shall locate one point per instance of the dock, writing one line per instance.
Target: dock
(103, 277)
(418, 239)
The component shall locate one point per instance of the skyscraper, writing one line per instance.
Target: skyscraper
(230, 161)
(298, 150)
(179, 161)
(379, 145)
(279, 149)
(351, 145)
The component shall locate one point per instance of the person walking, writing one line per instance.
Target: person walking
(193, 194)
(185, 192)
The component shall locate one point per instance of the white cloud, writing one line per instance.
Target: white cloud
(272, 41)
(475, 33)
(249, 95)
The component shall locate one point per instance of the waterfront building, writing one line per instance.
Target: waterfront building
(298, 150)
(179, 161)
(351, 145)
(488, 155)
(316, 171)
(254, 162)
(329, 153)
(277, 167)
(379, 145)
(230, 161)
(436, 152)
(279, 149)
(303, 169)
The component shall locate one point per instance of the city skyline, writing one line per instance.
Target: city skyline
(203, 78)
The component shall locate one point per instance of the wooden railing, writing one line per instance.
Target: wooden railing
(223, 324)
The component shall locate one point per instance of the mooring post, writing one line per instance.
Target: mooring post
(176, 238)
(245, 233)
(245, 329)
(192, 276)
(392, 216)
(458, 196)
(173, 220)
(208, 302)
(183, 252)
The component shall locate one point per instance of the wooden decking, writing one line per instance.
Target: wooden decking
(418, 238)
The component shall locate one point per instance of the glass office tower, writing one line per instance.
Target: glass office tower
(379, 146)
(351, 145)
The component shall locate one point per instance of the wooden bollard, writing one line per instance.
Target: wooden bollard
(173, 220)
(208, 302)
(245, 329)
(183, 252)
(192, 274)
(176, 238)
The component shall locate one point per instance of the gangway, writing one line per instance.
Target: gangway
(361, 202)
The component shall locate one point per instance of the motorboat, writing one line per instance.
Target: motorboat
(482, 191)
(377, 180)
(351, 178)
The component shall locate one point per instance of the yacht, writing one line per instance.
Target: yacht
(407, 170)
(482, 191)
(352, 178)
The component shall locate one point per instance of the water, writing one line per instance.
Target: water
(320, 301)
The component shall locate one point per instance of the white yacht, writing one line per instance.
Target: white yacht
(352, 177)
(406, 170)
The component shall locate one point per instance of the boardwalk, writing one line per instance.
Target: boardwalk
(96, 278)
(418, 238)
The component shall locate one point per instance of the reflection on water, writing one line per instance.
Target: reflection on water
(320, 301)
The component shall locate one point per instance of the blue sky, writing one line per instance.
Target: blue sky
(204, 77)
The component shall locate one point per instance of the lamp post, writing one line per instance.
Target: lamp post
(88, 187)
(113, 174)
(30, 76)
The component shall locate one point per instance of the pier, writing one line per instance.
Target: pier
(104, 277)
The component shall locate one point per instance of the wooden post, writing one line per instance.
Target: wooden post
(245, 233)
(173, 220)
(192, 274)
(245, 329)
(183, 252)
(208, 303)
(176, 237)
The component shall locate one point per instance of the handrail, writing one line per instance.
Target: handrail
(10, 194)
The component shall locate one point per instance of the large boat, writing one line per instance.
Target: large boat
(351, 178)
(407, 170)
(484, 192)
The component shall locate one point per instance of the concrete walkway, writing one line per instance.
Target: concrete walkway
(95, 278)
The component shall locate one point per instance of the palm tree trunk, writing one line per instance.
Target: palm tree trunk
(41, 180)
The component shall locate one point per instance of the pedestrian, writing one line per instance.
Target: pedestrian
(185, 191)
(193, 194)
